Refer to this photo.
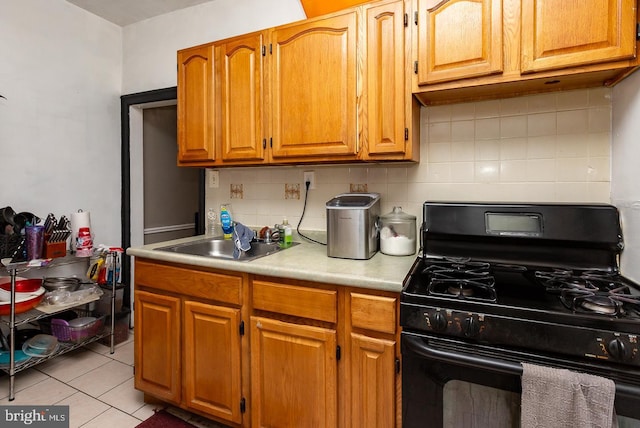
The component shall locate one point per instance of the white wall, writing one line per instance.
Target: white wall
(59, 126)
(625, 179)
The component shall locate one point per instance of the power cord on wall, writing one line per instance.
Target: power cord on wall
(304, 208)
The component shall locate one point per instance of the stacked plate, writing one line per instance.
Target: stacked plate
(41, 345)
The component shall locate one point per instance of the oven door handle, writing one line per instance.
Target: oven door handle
(418, 346)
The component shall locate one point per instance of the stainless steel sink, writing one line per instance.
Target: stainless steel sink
(220, 248)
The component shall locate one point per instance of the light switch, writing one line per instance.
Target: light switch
(214, 178)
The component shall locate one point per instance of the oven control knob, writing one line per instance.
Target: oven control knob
(439, 322)
(618, 350)
(471, 327)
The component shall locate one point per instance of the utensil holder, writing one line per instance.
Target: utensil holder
(51, 250)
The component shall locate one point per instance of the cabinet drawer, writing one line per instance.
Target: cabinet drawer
(377, 313)
(297, 301)
(206, 285)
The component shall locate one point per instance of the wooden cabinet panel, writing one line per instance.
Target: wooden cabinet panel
(242, 97)
(305, 302)
(189, 282)
(376, 313)
(196, 101)
(313, 76)
(313, 8)
(373, 382)
(458, 39)
(293, 375)
(157, 345)
(567, 33)
(212, 360)
(386, 89)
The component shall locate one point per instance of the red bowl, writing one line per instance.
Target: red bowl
(23, 304)
(23, 285)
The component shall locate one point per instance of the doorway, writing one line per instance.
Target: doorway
(133, 108)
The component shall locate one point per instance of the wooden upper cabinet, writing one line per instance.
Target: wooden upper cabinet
(385, 77)
(313, 8)
(242, 95)
(565, 33)
(313, 93)
(196, 101)
(458, 39)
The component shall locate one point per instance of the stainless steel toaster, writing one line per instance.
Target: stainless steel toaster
(352, 231)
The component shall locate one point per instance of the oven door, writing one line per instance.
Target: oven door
(450, 383)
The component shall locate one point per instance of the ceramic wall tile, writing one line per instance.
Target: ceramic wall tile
(513, 126)
(487, 129)
(513, 148)
(463, 111)
(462, 172)
(514, 106)
(438, 113)
(543, 147)
(571, 100)
(439, 152)
(542, 124)
(488, 150)
(542, 103)
(546, 148)
(573, 121)
(572, 146)
(485, 109)
(463, 151)
(438, 132)
(600, 119)
(462, 130)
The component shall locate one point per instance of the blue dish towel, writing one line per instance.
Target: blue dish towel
(242, 237)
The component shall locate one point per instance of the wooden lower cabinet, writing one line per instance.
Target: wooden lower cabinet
(372, 382)
(311, 355)
(157, 345)
(212, 360)
(188, 341)
(293, 375)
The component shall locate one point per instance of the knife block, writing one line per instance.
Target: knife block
(51, 250)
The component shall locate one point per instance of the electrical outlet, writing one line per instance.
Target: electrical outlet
(310, 176)
(214, 178)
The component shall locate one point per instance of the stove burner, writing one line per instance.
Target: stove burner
(603, 301)
(461, 278)
(600, 305)
(460, 291)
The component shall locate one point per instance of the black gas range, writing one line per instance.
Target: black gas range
(496, 285)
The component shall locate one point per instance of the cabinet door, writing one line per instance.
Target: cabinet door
(196, 115)
(157, 345)
(212, 360)
(313, 77)
(293, 375)
(242, 92)
(566, 33)
(458, 39)
(386, 89)
(372, 382)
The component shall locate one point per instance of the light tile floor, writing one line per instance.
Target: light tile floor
(95, 384)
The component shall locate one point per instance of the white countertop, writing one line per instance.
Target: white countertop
(306, 261)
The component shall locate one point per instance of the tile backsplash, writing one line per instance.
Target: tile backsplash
(552, 147)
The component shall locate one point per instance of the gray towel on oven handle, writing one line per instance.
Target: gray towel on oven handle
(561, 398)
